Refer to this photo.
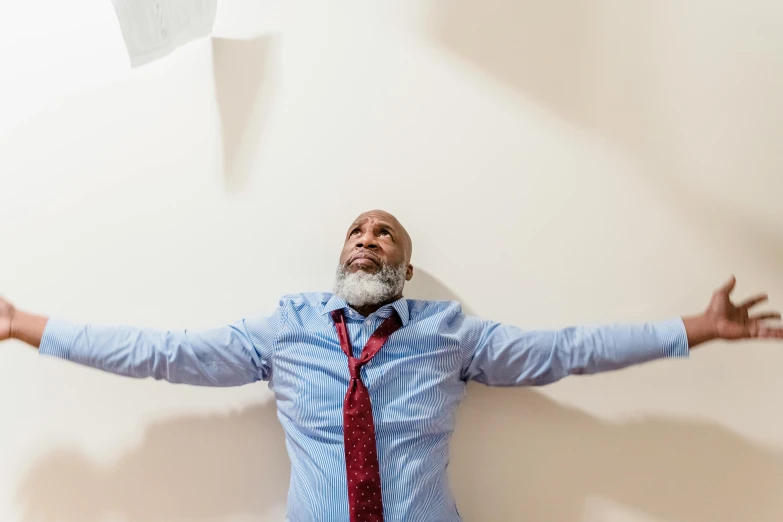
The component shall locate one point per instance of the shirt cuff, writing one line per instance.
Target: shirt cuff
(58, 338)
(673, 338)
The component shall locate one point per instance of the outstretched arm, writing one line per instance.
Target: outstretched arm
(232, 355)
(504, 355)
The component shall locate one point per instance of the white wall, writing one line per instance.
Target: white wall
(560, 162)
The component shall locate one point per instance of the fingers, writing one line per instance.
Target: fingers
(770, 333)
(728, 286)
(753, 301)
(765, 316)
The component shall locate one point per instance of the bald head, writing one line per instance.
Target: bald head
(376, 238)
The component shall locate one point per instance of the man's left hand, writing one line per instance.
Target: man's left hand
(725, 320)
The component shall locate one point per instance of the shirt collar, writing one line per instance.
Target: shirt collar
(400, 306)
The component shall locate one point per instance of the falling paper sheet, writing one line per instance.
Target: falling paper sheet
(154, 28)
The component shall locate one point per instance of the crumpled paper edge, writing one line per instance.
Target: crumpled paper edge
(141, 57)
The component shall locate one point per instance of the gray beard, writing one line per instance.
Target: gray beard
(361, 288)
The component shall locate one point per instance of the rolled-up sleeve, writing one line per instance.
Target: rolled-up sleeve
(504, 355)
(231, 355)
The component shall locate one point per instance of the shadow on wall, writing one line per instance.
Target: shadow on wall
(198, 468)
(245, 78)
(522, 456)
(426, 286)
(620, 68)
(518, 455)
(540, 48)
(698, 104)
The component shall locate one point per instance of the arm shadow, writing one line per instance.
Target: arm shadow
(194, 468)
(519, 455)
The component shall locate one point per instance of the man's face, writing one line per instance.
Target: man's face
(375, 239)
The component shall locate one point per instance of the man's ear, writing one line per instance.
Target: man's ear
(409, 273)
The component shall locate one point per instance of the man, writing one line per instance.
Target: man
(367, 382)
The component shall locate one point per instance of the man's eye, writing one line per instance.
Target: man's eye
(355, 231)
(384, 233)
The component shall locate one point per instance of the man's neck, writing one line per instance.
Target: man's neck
(369, 309)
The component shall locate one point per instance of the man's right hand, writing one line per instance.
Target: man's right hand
(7, 312)
(28, 328)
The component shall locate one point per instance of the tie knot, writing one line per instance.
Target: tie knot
(354, 366)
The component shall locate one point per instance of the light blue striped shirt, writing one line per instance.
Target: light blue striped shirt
(416, 382)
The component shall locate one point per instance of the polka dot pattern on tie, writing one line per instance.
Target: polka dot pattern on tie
(361, 455)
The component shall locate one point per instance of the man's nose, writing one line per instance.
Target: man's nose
(367, 240)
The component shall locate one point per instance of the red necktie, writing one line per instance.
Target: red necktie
(361, 456)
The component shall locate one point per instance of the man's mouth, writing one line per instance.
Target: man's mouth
(364, 259)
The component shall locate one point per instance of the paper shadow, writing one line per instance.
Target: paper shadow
(518, 455)
(194, 468)
(245, 77)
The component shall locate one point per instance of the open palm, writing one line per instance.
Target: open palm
(734, 321)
